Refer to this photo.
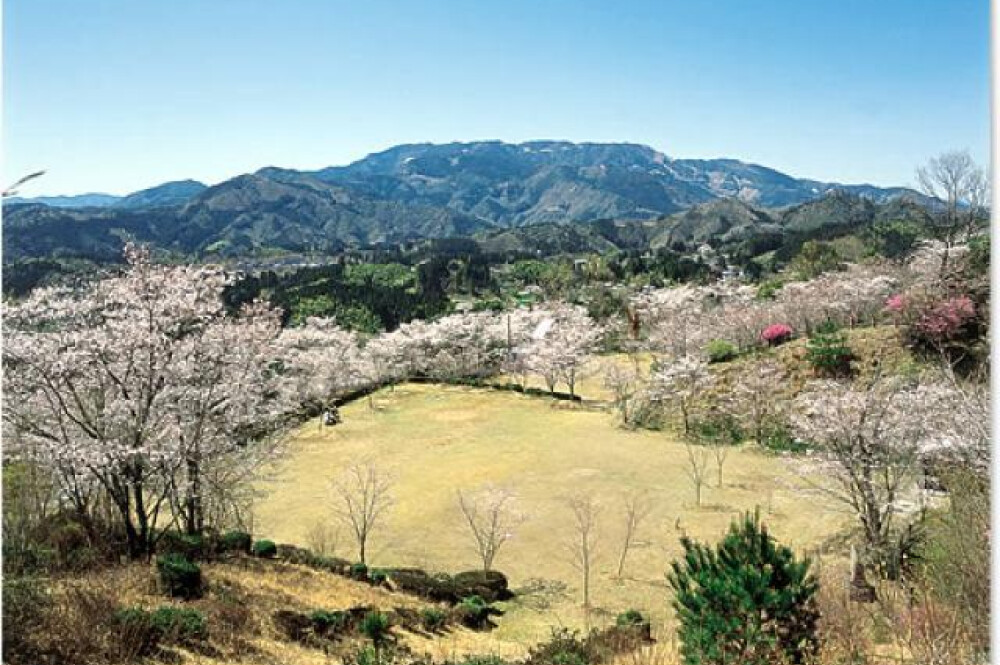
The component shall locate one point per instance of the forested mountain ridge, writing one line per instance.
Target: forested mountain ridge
(431, 191)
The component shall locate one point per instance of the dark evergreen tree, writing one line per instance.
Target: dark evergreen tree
(748, 601)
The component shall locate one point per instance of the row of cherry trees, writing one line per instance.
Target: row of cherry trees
(551, 342)
(142, 392)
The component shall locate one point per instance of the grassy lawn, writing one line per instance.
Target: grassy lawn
(435, 440)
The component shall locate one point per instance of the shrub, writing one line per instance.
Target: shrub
(58, 541)
(325, 621)
(896, 303)
(776, 334)
(474, 601)
(646, 414)
(748, 600)
(828, 353)
(718, 429)
(565, 647)
(25, 604)
(473, 612)
(143, 631)
(235, 541)
(768, 290)
(432, 619)
(265, 549)
(778, 438)
(952, 326)
(375, 626)
(329, 564)
(294, 554)
(136, 636)
(179, 624)
(945, 320)
(377, 577)
(359, 571)
(179, 576)
(631, 618)
(190, 546)
(483, 660)
(720, 351)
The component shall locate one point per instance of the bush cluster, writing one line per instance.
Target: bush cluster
(720, 351)
(326, 621)
(473, 612)
(235, 541)
(191, 546)
(631, 618)
(144, 630)
(778, 438)
(433, 619)
(565, 647)
(265, 549)
(179, 576)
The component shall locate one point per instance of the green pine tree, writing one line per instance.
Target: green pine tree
(748, 601)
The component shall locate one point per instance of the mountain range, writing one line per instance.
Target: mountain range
(504, 194)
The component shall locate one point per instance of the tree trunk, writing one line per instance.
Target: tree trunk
(143, 531)
(195, 511)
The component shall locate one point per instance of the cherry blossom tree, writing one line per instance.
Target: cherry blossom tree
(680, 383)
(561, 344)
(624, 382)
(672, 318)
(871, 440)
(755, 396)
(135, 383)
(321, 362)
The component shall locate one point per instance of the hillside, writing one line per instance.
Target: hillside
(430, 191)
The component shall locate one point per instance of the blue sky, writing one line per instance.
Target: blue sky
(118, 95)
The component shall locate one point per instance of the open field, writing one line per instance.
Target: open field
(435, 440)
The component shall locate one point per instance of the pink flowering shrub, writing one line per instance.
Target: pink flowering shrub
(946, 320)
(897, 303)
(776, 333)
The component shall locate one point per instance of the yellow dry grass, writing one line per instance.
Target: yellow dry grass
(435, 440)
(263, 587)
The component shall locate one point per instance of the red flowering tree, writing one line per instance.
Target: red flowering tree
(776, 333)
